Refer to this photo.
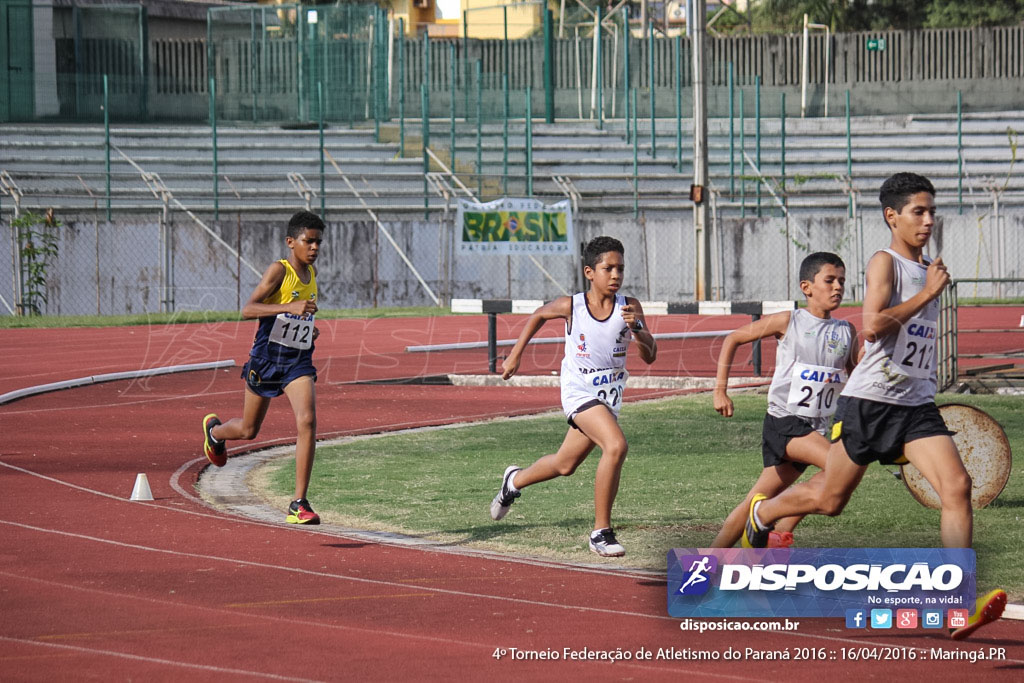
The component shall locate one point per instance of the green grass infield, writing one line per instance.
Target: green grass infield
(687, 468)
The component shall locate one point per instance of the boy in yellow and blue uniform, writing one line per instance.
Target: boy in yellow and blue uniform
(281, 359)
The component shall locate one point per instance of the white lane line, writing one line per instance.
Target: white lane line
(152, 660)
(403, 636)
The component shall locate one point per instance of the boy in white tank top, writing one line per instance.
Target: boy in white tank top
(814, 356)
(887, 409)
(599, 325)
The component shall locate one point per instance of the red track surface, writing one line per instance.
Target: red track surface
(95, 586)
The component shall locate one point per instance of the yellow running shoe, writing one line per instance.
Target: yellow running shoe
(754, 535)
(987, 609)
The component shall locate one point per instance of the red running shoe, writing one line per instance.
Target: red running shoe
(780, 539)
(301, 512)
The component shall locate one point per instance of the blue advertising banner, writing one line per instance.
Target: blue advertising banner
(816, 582)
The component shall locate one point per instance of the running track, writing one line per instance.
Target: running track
(95, 586)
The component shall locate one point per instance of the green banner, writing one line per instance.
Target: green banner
(515, 226)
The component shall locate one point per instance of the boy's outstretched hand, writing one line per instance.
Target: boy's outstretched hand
(723, 404)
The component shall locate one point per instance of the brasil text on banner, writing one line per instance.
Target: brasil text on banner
(515, 226)
(816, 582)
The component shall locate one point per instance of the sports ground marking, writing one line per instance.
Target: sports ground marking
(152, 660)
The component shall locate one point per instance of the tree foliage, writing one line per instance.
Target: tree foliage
(786, 16)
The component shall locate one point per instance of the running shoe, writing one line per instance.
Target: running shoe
(603, 543)
(987, 609)
(754, 535)
(216, 452)
(506, 496)
(301, 512)
(780, 539)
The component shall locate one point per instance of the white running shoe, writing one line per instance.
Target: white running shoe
(603, 543)
(506, 496)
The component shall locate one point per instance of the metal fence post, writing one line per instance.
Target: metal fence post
(959, 152)
(757, 137)
(679, 103)
(320, 108)
(401, 88)
(479, 129)
(213, 142)
(106, 137)
(504, 139)
(529, 141)
(626, 114)
(732, 141)
(650, 85)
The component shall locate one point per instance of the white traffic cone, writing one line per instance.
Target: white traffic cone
(141, 490)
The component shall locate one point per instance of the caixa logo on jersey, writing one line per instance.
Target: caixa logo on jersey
(816, 582)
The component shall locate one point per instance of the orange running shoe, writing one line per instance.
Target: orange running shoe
(987, 609)
(216, 452)
(780, 539)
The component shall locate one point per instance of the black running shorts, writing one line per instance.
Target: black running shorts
(776, 435)
(872, 430)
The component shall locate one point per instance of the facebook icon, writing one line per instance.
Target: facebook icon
(856, 618)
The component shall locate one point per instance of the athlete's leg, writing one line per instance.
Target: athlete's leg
(600, 425)
(301, 394)
(810, 449)
(254, 410)
(771, 482)
(574, 450)
(842, 476)
(939, 462)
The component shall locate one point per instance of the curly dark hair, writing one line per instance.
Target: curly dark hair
(600, 245)
(303, 220)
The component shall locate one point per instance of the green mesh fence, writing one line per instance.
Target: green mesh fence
(278, 63)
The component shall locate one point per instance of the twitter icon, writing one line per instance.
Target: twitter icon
(881, 618)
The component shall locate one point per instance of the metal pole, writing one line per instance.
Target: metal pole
(849, 152)
(465, 61)
(504, 138)
(106, 137)
(959, 152)
(479, 129)
(213, 130)
(700, 155)
(425, 133)
(650, 85)
(636, 155)
(598, 70)
(803, 74)
(757, 136)
(732, 142)
(492, 341)
(549, 69)
(529, 141)
(679, 103)
(743, 149)
(320, 108)
(782, 135)
(625, 69)
(454, 92)
(401, 89)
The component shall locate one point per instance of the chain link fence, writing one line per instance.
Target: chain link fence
(170, 262)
